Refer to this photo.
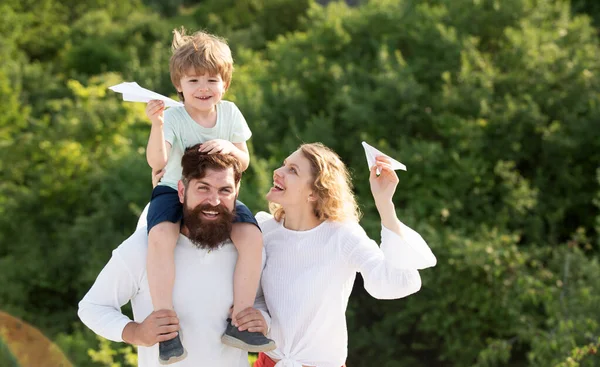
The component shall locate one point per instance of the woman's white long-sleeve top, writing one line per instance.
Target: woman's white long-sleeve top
(309, 275)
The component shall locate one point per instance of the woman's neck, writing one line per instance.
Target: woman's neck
(297, 219)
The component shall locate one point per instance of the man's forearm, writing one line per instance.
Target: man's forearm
(129, 333)
(100, 308)
(103, 319)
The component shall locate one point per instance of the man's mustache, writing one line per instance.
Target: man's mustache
(207, 233)
(220, 209)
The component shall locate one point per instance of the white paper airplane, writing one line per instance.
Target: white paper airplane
(132, 92)
(373, 153)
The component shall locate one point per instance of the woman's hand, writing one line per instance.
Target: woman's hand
(156, 176)
(383, 185)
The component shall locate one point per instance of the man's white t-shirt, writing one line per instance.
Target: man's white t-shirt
(202, 296)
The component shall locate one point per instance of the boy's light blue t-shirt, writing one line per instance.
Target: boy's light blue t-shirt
(181, 131)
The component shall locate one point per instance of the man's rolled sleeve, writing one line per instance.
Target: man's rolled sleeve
(100, 308)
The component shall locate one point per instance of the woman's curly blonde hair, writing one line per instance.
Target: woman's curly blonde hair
(332, 186)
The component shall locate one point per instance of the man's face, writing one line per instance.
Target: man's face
(208, 205)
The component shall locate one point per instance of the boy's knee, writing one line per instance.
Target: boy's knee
(164, 227)
(163, 232)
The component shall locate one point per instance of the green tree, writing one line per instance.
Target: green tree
(488, 123)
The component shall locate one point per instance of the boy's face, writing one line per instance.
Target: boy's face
(201, 92)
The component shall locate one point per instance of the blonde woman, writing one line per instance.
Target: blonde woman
(315, 247)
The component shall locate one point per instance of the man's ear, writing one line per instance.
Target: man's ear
(180, 191)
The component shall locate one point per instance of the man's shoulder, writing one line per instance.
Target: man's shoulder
(134, 249)
(266, 221)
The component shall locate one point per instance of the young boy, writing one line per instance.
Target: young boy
(201, 68)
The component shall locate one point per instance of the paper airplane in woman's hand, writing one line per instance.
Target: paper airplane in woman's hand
(132, 92)
(373, 153)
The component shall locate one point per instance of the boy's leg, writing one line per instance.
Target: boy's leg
(247, 239)
(162, 239)
(164, 216)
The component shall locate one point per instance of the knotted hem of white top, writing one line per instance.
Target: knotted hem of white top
(286, 362)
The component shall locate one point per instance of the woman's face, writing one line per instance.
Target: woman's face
(292, 182)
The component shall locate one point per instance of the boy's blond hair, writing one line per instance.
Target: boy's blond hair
(332, 186)
(203, 52)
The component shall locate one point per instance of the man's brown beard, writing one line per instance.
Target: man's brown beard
(207, 234)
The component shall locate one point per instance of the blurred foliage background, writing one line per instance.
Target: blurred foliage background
(493, 105)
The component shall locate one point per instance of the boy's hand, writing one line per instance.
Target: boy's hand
(156, 176)
(217, 146)
(155, 110)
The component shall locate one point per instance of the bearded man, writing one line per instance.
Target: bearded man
(205, 260)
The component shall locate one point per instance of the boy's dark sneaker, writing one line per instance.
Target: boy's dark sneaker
(171, 351)
(254, 342)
